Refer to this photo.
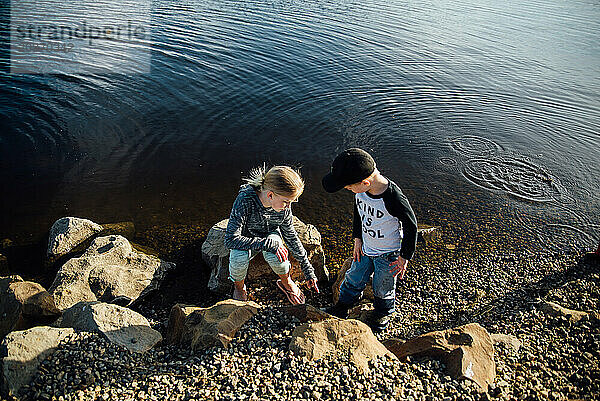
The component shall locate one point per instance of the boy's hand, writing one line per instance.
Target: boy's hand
(312, 284)
(357, 253)
(282, 253)
(399, 267)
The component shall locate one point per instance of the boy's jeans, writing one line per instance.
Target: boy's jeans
(384, 283)
(239, 261)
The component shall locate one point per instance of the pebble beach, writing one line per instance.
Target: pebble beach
(556, 359)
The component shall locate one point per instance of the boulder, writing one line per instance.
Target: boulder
(467, 351)
(67, 234)
(216, 256)
(555, 310)
(201, 328)
(3, 265)
(24, 304)
(108, 271)
(118, 324)
(334, 337)
(24, 351)
(305, 313)
(367, 293)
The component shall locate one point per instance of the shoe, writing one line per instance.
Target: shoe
(377, 322)
(338, 310)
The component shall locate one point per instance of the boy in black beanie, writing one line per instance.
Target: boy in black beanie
(384, 231)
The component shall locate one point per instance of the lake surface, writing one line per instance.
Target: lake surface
(470, 106)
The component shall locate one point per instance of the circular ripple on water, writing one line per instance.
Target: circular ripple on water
(519, 178)
(447, 161)
(475, 146)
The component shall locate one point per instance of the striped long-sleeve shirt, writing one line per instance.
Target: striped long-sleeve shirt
(250, 223)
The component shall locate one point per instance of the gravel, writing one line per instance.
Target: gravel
(559, 360)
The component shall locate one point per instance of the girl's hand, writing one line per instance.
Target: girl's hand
(282, 253)
(357, 253)
(312, 284)
(399, 266)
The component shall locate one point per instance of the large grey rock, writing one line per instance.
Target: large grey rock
(467, 351)
(216, 256)
(120, 325)
(200, 328)
(333, 337)
(108, 271)
(24, 304)
(24, 351)
(68, 233)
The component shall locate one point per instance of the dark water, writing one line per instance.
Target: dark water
(463, 103)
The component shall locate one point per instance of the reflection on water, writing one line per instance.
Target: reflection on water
(501, 96)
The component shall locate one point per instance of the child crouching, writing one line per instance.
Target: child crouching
(261, 220)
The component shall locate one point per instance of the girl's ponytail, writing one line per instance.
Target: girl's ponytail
(256, 178)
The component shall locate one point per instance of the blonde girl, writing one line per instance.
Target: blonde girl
(261, 220)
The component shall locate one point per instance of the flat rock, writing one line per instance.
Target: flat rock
(216, 255)
(333, 337)
(118, 324)
(22, 353)
(108, 271)
(67, 233)
(201, 328)
(467, 351)
(554, 309)
(24, 304)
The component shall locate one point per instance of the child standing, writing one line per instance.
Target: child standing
(384, 232)
(261, 216)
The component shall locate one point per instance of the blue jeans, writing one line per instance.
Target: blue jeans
(240, 260)
(384, 283)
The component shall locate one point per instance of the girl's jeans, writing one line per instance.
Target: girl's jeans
(384, 283)
(239, 261)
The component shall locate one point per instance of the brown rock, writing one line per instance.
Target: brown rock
(338, 337)
(305, 313)
(556, 310)
(216, 256)
(467, 351)
(24, 304)
(200, 328)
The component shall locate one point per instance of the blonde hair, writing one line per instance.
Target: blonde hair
(282, 180)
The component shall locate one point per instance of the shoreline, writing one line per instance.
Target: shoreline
(448, 284)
